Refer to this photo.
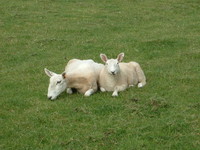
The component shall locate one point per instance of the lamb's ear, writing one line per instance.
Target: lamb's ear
(64, 75)
(103, 57)
(49, 73)
(120, 57)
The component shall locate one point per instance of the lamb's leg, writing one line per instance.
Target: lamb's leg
(119, 88)
(69, 91)
(102, 89)
(141, 77)
(92, 89)
(89, 92)
(140, 74)
(140, 84)
(115, 93)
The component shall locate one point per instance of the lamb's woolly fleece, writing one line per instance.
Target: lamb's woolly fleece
(129, 74)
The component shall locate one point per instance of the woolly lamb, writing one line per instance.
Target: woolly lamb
(117, 76)
(79, 74)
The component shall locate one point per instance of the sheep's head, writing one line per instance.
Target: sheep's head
(57, 84)
(112, 65)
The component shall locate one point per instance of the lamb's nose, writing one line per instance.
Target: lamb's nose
(49, 97)
(113, 72)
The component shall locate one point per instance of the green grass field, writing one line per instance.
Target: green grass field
(162, 35)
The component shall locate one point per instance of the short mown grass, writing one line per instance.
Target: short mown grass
(162, 35)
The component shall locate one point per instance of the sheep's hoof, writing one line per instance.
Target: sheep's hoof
(69, 91)
(89, 92)
(87, 95)
(102, 89)
(115, 94)
(140, 85)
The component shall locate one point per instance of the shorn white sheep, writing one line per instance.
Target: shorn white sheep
(117, 76)
(81, 75)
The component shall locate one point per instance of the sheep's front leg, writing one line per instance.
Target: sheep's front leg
(69, 91)
(89, 92)
(115, 93)
(102, 89)
(118, 88)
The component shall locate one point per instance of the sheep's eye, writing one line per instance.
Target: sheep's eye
(118, 63)
(106, 63)
(58, 82)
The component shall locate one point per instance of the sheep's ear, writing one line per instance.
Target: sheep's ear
(49, 73)
(64, 75)
(120, 57)
(103, 57)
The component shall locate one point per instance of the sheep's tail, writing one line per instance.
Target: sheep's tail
(140, 74)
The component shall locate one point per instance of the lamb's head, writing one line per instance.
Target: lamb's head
(112, 65)
(57, 84)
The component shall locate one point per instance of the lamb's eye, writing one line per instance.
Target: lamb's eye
(58, 82)
(106, 63)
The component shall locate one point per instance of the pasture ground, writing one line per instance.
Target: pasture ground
(162, 35)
